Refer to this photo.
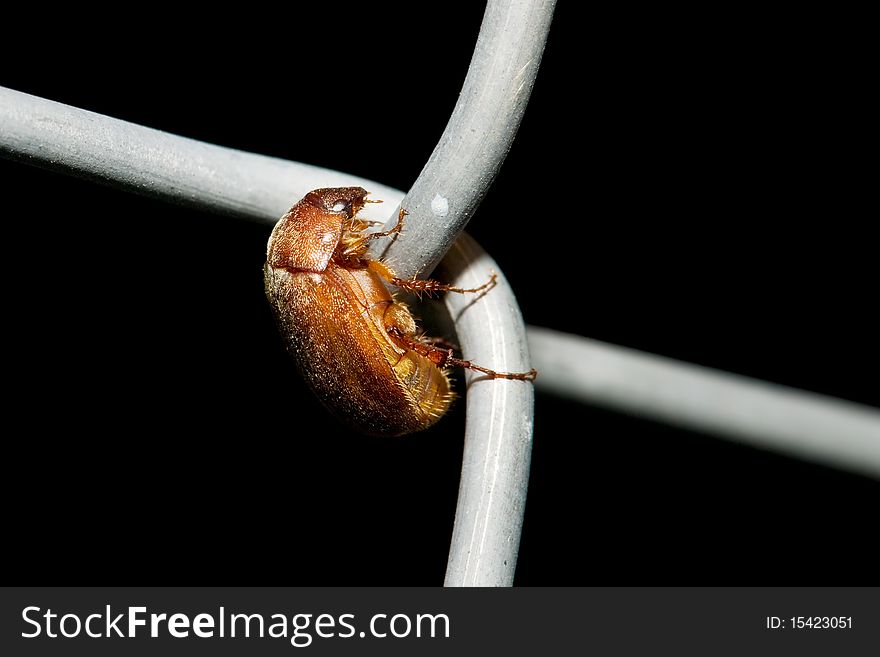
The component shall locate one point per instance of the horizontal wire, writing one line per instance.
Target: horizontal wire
(153, 163)
(801, 424)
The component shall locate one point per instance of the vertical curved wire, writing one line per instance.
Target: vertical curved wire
(498, 440)
(477, 137)
(480, 131)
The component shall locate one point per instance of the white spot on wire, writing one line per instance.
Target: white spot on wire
(440, 205)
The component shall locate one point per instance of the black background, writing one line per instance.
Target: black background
(684, 184)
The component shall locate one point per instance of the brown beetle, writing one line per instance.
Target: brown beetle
(356, 346)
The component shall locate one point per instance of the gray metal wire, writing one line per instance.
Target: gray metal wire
(169, 167)
(498, 433)
(806, 425)
(477, 137)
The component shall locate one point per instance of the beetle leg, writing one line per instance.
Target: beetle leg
(444, 357)
(356, 246)
(434, 354)
(513, 376)
(359, 225)
(387, 233)
(426, 286)
(429, 286)
(439, 342)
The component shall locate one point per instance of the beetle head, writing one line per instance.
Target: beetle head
(349, 200)
(304, 239)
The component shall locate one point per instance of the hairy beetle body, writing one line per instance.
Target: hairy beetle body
(356, 346)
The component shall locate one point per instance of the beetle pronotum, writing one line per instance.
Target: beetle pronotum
(356, 345)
